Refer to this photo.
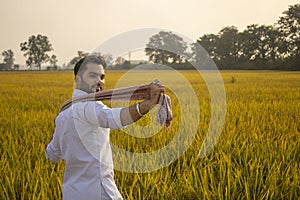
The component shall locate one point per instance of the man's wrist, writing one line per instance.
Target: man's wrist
(137, 107)
(145, 107)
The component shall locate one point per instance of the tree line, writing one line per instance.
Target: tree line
(257, 47)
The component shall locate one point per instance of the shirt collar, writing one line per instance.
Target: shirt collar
(78, 92)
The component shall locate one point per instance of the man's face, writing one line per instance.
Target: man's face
(92, 79)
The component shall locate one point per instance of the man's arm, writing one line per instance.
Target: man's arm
(131, 114)
(53, 152)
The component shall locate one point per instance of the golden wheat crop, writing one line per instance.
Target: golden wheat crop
(257, 155)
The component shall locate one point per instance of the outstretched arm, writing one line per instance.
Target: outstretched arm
(133, 113)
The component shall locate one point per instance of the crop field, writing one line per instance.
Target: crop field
(257, 155)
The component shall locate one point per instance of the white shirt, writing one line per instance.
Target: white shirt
(81, 138)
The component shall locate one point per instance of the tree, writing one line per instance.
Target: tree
(8, 58)
(108, 59)
(80, 55)
(166, 47)
(35, 50)
(224, 48)
(275, 46)
(228, 47)
(120, 60)
(289, 25)
(261, 44)
(209, 43)
(53, 61)
(204, 50)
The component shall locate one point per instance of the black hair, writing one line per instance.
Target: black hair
(80, 66)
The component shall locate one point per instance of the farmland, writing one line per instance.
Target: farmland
(256, 157)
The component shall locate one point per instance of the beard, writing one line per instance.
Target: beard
(86, 87)
(90, 89)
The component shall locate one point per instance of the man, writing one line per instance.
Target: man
(81, 135)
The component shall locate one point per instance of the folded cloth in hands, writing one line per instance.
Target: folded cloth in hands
(142, 92)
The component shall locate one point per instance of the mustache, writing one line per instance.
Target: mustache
(99, 88)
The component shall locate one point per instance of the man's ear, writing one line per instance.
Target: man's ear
(78, 79)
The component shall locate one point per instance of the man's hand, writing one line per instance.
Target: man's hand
(133, 113)
(156, 88)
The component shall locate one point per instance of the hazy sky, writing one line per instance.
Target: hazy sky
(73, 25)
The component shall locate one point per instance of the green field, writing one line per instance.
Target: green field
(257, 155)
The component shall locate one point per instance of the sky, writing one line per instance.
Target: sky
(73, 25)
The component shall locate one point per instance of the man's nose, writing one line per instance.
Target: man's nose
(101, 81)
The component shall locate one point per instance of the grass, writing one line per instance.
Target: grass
(256, 157)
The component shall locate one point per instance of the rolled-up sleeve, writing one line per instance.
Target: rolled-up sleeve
(98, 114)
(109, 117)
(114, 118)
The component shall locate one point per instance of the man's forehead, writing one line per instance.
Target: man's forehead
(95, 68)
